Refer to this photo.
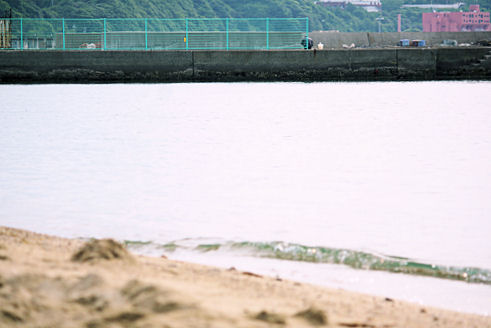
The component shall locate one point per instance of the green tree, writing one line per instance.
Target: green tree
(391, 5)
(350, 19)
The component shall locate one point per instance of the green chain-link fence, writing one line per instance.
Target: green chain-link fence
(153, 33)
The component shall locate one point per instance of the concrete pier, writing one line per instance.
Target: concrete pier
(95, 66)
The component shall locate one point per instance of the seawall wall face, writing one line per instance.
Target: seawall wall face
(69, 66)
(229, 66)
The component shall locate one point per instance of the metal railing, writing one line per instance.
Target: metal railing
(153, 33)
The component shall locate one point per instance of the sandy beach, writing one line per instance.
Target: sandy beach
(47, 281)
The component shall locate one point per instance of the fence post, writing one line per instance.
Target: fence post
(267, 33)
(306, 33)
(63, 28)
(226, 26)
(21, 35)
(187, 34)
(105, 34)
(146, 33)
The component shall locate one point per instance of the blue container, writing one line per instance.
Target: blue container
(403, 43)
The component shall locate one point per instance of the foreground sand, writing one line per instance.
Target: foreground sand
(48, 282)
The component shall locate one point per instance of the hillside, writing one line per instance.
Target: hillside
(351, 19)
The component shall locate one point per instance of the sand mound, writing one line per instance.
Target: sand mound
(36, 300)
(104, 249)
(3, 255)
(150, 297)
(21, 296)
(272, 318)
(313, 316)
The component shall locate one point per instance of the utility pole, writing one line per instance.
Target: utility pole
(379, 20)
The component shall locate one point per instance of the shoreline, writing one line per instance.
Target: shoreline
(44, 283)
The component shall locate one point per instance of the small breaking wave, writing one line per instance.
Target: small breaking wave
(318, 254)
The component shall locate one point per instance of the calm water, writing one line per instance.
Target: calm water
(332, 183)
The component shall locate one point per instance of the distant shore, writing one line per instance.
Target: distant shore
(48, 281)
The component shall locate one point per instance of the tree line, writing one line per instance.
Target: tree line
(348, 19)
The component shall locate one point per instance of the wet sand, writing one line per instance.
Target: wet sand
(47, 281)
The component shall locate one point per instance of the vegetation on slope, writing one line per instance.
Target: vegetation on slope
(349, 19)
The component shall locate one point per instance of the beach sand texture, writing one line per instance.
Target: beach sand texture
(48, 281)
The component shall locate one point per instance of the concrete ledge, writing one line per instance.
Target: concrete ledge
(94, 66)
(452, 63)
(270, 65)
(374, 64)
(335, 40)
(420, 63)
(194, 66)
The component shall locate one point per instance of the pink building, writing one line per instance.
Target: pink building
(474, 20)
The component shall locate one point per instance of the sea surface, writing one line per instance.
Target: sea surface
(380, 188)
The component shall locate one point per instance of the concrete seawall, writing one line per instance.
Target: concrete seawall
(195, 66)
(335, 40)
